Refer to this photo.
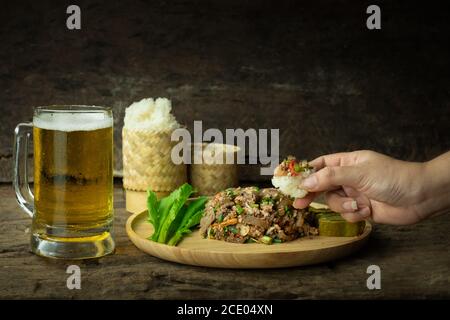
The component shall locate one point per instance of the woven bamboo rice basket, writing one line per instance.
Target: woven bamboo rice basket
(210, 178)
(147, 162)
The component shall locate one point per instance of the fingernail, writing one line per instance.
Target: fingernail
(310, 182)
(297, 204)
(364, 212)
(350, 205)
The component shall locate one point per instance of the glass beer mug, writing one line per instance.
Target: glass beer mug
(72, 205)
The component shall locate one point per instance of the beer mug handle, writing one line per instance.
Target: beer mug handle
(24, 196)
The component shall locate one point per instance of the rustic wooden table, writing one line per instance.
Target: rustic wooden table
(414, 262)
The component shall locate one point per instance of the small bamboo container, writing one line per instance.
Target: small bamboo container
(214, 176)
(147, 164)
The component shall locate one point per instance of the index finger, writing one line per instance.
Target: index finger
(302, 203)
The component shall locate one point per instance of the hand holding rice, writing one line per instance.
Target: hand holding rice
(289, 175)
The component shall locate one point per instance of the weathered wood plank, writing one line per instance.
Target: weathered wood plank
(414, 262)
(311, 69)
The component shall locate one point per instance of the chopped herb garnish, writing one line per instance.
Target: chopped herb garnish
(225, 229)
(220, 218)
(211, 233)
(233, 230)
(239, 209)
(266, 240)
(287, 211)
(267, 201)
(230, 192)
(277, 240)
(254, 205)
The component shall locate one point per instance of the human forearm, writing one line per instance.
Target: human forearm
(435, 187)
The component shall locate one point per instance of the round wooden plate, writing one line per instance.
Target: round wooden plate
(194, 250)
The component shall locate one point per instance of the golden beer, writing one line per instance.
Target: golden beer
(73, 182)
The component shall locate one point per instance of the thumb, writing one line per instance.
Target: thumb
(331, 178)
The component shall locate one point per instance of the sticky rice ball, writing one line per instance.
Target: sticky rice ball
(289, 175)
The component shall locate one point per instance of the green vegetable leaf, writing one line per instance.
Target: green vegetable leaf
(152, 207)
(177, 237)
(194, 219)
(191, 222)
(163, 209)
(180, 197)
(192, 209)
(172, 217)
(176, 224)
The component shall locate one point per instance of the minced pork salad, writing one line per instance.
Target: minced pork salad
(251, 214)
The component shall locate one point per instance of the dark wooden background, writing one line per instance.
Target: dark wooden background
(310, 68)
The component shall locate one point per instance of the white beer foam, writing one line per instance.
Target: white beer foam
(72, 121)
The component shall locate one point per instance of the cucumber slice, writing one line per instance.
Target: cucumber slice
(331, 224)
(336, 226)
